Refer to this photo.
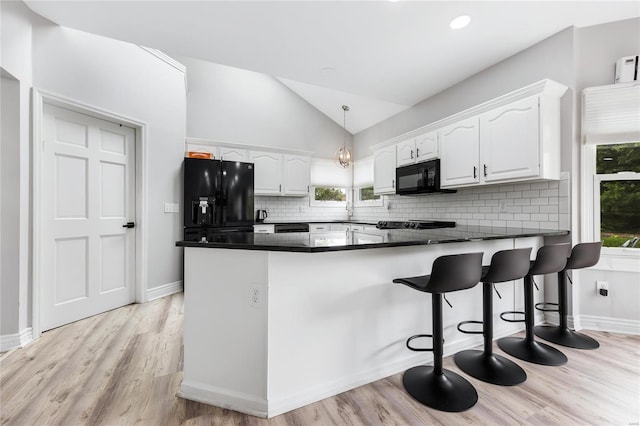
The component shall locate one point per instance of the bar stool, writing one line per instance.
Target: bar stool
(550, 259)
(506, 265)
(583, 255)
(434, 386)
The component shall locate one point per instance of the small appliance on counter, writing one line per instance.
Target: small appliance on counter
(218, 197)
(415, 224)
(261, 215)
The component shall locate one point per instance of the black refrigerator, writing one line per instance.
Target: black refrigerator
(218, 197)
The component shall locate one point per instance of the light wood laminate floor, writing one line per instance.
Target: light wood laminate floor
(124, 367)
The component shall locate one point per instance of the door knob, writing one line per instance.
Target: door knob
(129, 225)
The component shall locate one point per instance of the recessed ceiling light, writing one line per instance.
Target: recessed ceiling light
(460, 22)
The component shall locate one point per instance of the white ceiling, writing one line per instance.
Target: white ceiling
(384, 56)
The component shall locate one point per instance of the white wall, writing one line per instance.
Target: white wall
(233, 105)
(15, 60)
(10, 196)
(127, 80)
(112, 76)
(597, 49)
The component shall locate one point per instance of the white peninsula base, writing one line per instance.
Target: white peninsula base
(266, 332)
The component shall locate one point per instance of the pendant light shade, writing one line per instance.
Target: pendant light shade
(343, 154)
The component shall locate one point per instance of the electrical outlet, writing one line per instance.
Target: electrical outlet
(255, 297)
(602, 288)
(171, 207)
(503, 206)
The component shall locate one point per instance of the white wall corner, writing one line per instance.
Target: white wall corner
(16, 340)
(164, 290)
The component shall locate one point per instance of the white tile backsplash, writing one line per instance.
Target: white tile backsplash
(538, 205)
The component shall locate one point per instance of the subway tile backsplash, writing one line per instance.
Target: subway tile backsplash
(538, 205)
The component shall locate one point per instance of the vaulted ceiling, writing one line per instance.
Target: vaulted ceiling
(378, 57)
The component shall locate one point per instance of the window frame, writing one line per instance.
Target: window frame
(611, 258)
(357, 202)
(320, 203)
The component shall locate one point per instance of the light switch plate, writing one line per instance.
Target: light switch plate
(171, 207)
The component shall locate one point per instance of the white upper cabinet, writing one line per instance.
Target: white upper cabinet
(296, 175)
(427, 146)
(405, 152)
(232, 154)
(268, 172)
(509, 139)
(415, 150)
(459, 151)
(515, 138)
(384, 170)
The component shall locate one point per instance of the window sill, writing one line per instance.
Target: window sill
(619, 259)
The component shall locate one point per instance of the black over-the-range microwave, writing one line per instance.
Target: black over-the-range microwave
(420, 178)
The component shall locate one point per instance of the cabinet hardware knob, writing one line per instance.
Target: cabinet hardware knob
(280, 188)
(393, 183)
(129, 225)
(417, 152)
(412, 154)
(475, 172)
(485, 170)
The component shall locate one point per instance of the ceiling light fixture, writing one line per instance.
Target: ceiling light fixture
(460, 22)
(343, 154)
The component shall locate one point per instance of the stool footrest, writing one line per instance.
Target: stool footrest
(419, 349)
(511, 313)
(543, 307)
(460, 324)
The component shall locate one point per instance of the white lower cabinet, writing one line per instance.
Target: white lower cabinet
(263, 229)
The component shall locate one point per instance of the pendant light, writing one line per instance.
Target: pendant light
(343, 154)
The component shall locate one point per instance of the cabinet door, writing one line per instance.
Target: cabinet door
(459, 150)
(509, 141)
(268, 172)
(319, 228)
(296, 174)
(405, 153)
(384, 171)
(232, 154)
(427, 146)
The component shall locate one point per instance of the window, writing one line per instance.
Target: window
(616, 195)
(366, 197)
(328, 196)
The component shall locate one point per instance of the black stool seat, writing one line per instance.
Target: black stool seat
(583, 255)
(550, 259)
(506, 265)
(435, 386)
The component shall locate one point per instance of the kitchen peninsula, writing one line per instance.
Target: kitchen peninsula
(274, 322)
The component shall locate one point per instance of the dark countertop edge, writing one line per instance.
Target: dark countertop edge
(334, 222)
(299, 249)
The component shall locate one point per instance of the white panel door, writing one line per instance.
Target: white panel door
(510, 141)
(88, 194)
(459, 153)
(296, 174)
(268, 172)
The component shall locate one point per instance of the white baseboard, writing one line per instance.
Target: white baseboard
(596, 323)
(251, 404)
(613, 325)
(164, 290)
(225, 398)
(17, 340)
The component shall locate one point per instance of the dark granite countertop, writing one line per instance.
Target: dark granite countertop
(356, 240)
(310, 222)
